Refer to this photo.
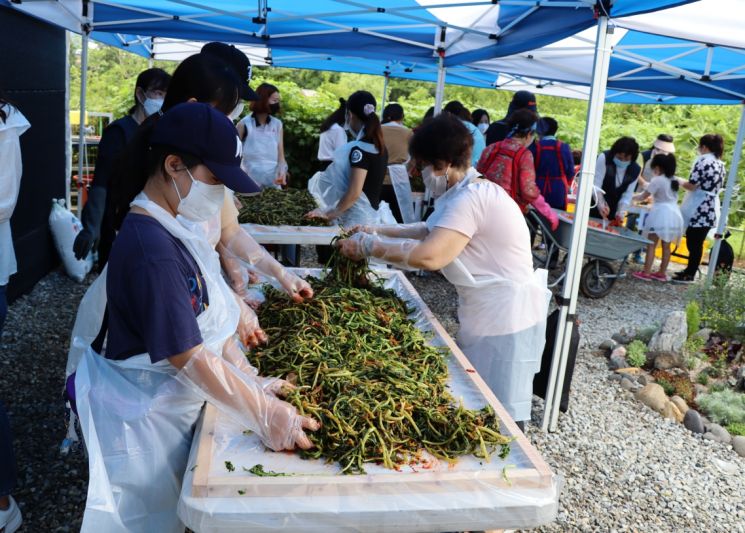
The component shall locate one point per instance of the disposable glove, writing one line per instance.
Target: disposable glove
(244, 247)
(243, 398)
(249, 331)
(390, 250)
(416, 230)
(235, 355)
(83, 244)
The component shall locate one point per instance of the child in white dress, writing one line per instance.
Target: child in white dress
(664, 222)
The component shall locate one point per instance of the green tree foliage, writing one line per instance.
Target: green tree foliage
(308, 96)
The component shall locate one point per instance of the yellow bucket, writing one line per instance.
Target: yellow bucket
(680, 251)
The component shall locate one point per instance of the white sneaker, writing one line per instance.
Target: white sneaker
(10, 519)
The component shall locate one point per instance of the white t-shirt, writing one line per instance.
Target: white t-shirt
(330, 141)
(660, 189)
(500, 241)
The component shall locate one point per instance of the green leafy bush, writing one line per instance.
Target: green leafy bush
(693, 317)
(722, 306)
(724, 407)
(703, 379)
(736, 428)
(636, 353)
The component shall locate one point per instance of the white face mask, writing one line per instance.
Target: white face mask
(437, 184)
(152, 105)
(202, 202)
(237, 110)
(483, 126)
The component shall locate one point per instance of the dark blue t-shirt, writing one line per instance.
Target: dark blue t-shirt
(155, 292)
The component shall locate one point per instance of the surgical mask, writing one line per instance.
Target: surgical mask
(274, 108)
(202, 202)
(237, 110)
(437, 184)
(483, 126)
(621, 164)
(152, 105)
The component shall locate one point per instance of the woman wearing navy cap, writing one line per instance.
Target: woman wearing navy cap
(171, 323)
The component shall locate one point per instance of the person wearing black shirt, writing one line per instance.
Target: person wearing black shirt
(97, 216)
(498, 131)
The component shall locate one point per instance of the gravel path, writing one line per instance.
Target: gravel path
(624, 467)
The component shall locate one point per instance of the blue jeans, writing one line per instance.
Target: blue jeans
(8, 472)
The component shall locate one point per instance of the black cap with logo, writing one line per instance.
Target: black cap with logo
(237, 61)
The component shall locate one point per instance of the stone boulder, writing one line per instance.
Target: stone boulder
(720, 433)
(738, 443)
(703, 334)
(623, 337)
(671, 412)
(680, 403)
(693, 423)
(666, 345)
(653, 396)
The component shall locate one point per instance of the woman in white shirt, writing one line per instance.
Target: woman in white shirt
(333, 135)
(263, 140)
(664, 222)
(478, 238)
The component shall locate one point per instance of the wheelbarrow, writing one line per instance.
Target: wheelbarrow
(606, 251)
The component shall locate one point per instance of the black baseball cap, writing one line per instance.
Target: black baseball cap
(523, 100)
(238, 63)
(202, 131)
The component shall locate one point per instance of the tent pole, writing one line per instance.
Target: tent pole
(440, 90)
(386, 76)
(731, 182)
(81, 136)
(568, 302)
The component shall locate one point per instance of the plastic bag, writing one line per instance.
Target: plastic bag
(65, 227)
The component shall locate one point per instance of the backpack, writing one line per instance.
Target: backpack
(514, 189)
(539, 148)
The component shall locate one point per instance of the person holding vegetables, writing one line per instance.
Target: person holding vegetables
(478, 238)
(170, 321)
(349, 190)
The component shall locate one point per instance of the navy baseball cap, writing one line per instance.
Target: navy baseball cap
(202, 131)
(238, 63)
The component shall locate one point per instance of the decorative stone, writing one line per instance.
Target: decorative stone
(653, 396)
(609, 345)
(738, 443)
(680, 403)
(667, 343)
(692, 421)
(629, 371)
(740, 383)
(618, 361)
(619, 350)
(623, 337)
(671, 412)
(710, 436)
(699, 389)
(703, 334)
(615, 377)
(642, 379)
(721, 433)
(627, 384)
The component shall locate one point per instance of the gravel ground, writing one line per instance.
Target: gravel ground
(624, 467)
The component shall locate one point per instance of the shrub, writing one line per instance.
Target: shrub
(693, 317)
(703, 379)
(722, 306)
(724, 407)
(675, 384)
(693, 346)
(736, 428)
(668, 387)
(636, 353)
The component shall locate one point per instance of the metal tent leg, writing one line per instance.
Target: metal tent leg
(570, 289)
(81, 137)
(731, 181)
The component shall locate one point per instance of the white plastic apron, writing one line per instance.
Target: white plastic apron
(136, 418)
(260, 152)
(328, 188)
(693, 200)
(502, 324)
(402, 187)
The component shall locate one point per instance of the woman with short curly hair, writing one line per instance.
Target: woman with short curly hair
(478, 238)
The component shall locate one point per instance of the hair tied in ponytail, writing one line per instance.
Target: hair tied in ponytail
(368, 109)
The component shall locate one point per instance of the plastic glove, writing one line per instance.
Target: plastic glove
(83, 244)
(544, 209)
(244, 247)
(416, 230)
(391, 250)
(319, 213)
(243, 398)
(249, 331)
(233, 353)
(604, 208)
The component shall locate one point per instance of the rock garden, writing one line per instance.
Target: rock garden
(690, 367)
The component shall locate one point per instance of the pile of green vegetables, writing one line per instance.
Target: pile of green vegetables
(279, 207)
(365, 371)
